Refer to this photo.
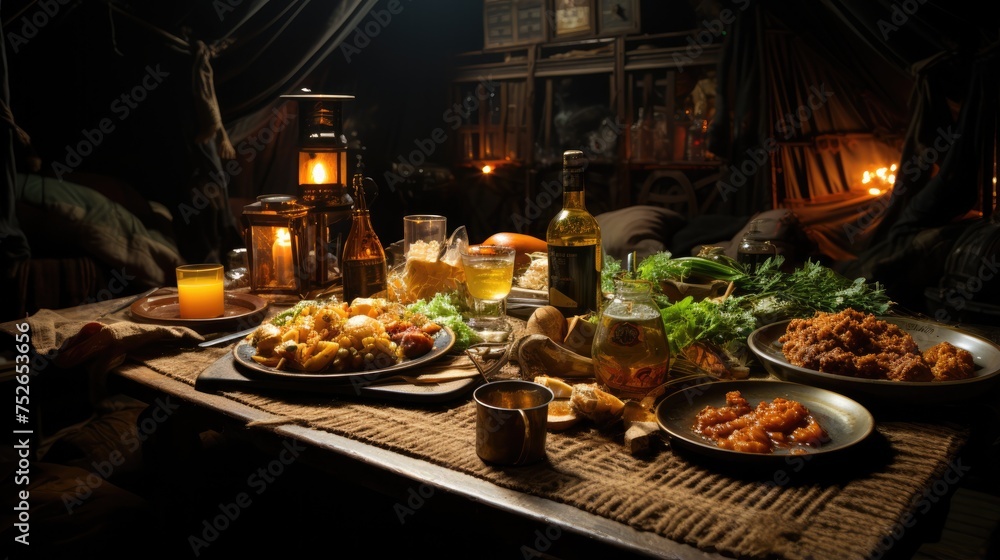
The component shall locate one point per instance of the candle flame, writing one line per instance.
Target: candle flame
(318, 173)
(283, 236)
(487, 169)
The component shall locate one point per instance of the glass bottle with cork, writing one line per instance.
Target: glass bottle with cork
(574, 246)
(364, 262)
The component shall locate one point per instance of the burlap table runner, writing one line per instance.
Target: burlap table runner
(798, 510)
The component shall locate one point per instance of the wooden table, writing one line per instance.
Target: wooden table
(580, 533)
(499, 512)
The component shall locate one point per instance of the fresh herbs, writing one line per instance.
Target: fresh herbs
(688, 321)
(662, 266)
(611, 268)
(763, 296)
(775, 295)
(444, 309)
(281, 319)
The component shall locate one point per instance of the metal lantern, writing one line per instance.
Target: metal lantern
(274, 229)
(323, 178)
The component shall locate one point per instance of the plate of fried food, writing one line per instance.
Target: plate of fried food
(897, 359)
(762, 421)
(369, 339)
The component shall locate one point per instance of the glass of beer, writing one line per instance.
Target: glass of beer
(489, 273)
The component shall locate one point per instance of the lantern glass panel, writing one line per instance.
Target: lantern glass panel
(322, 168)
(274, 229)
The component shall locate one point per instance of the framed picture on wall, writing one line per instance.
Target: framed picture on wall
(573, 18)
(529, 16)
(511, 23)
(618, 17)
(499, 28)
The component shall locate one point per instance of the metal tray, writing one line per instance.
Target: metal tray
(764, 344)
(846, 421)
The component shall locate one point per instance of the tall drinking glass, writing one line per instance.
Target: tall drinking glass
(489, 273)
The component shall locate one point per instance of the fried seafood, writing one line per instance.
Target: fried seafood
(739, 427)
(335, 337)
(860, 345)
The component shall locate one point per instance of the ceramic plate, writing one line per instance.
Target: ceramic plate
(165, 309)
(244, 351)
(846, 422)
(986, 355)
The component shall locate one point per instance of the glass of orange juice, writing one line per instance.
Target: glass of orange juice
(489, 273)
(200, 293)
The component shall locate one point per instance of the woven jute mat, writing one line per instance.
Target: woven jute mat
(799, 509)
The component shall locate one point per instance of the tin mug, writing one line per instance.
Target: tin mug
(511, 421)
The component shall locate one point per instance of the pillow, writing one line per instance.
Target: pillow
(641, 228)
(705, 229)
(779, 226)
(60, 218)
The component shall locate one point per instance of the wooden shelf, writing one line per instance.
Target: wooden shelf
(638, 69)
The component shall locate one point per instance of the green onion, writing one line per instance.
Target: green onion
(662, 266)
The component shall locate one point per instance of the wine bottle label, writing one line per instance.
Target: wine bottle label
(573, 279)
(363, 278)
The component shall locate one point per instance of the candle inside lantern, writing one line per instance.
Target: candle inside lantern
(200, 293)
(318, 173)
(281, 257)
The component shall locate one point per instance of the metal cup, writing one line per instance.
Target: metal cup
(511, 421)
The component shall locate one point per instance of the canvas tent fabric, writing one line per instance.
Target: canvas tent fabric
(13, 244)
(896, 83)
(162, 133)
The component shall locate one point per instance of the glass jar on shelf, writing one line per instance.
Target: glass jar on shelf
(697, 135)
(641, 137)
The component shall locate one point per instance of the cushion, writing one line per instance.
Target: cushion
(61, 218)
(705, 229)
(641, 228)
(781, 227)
